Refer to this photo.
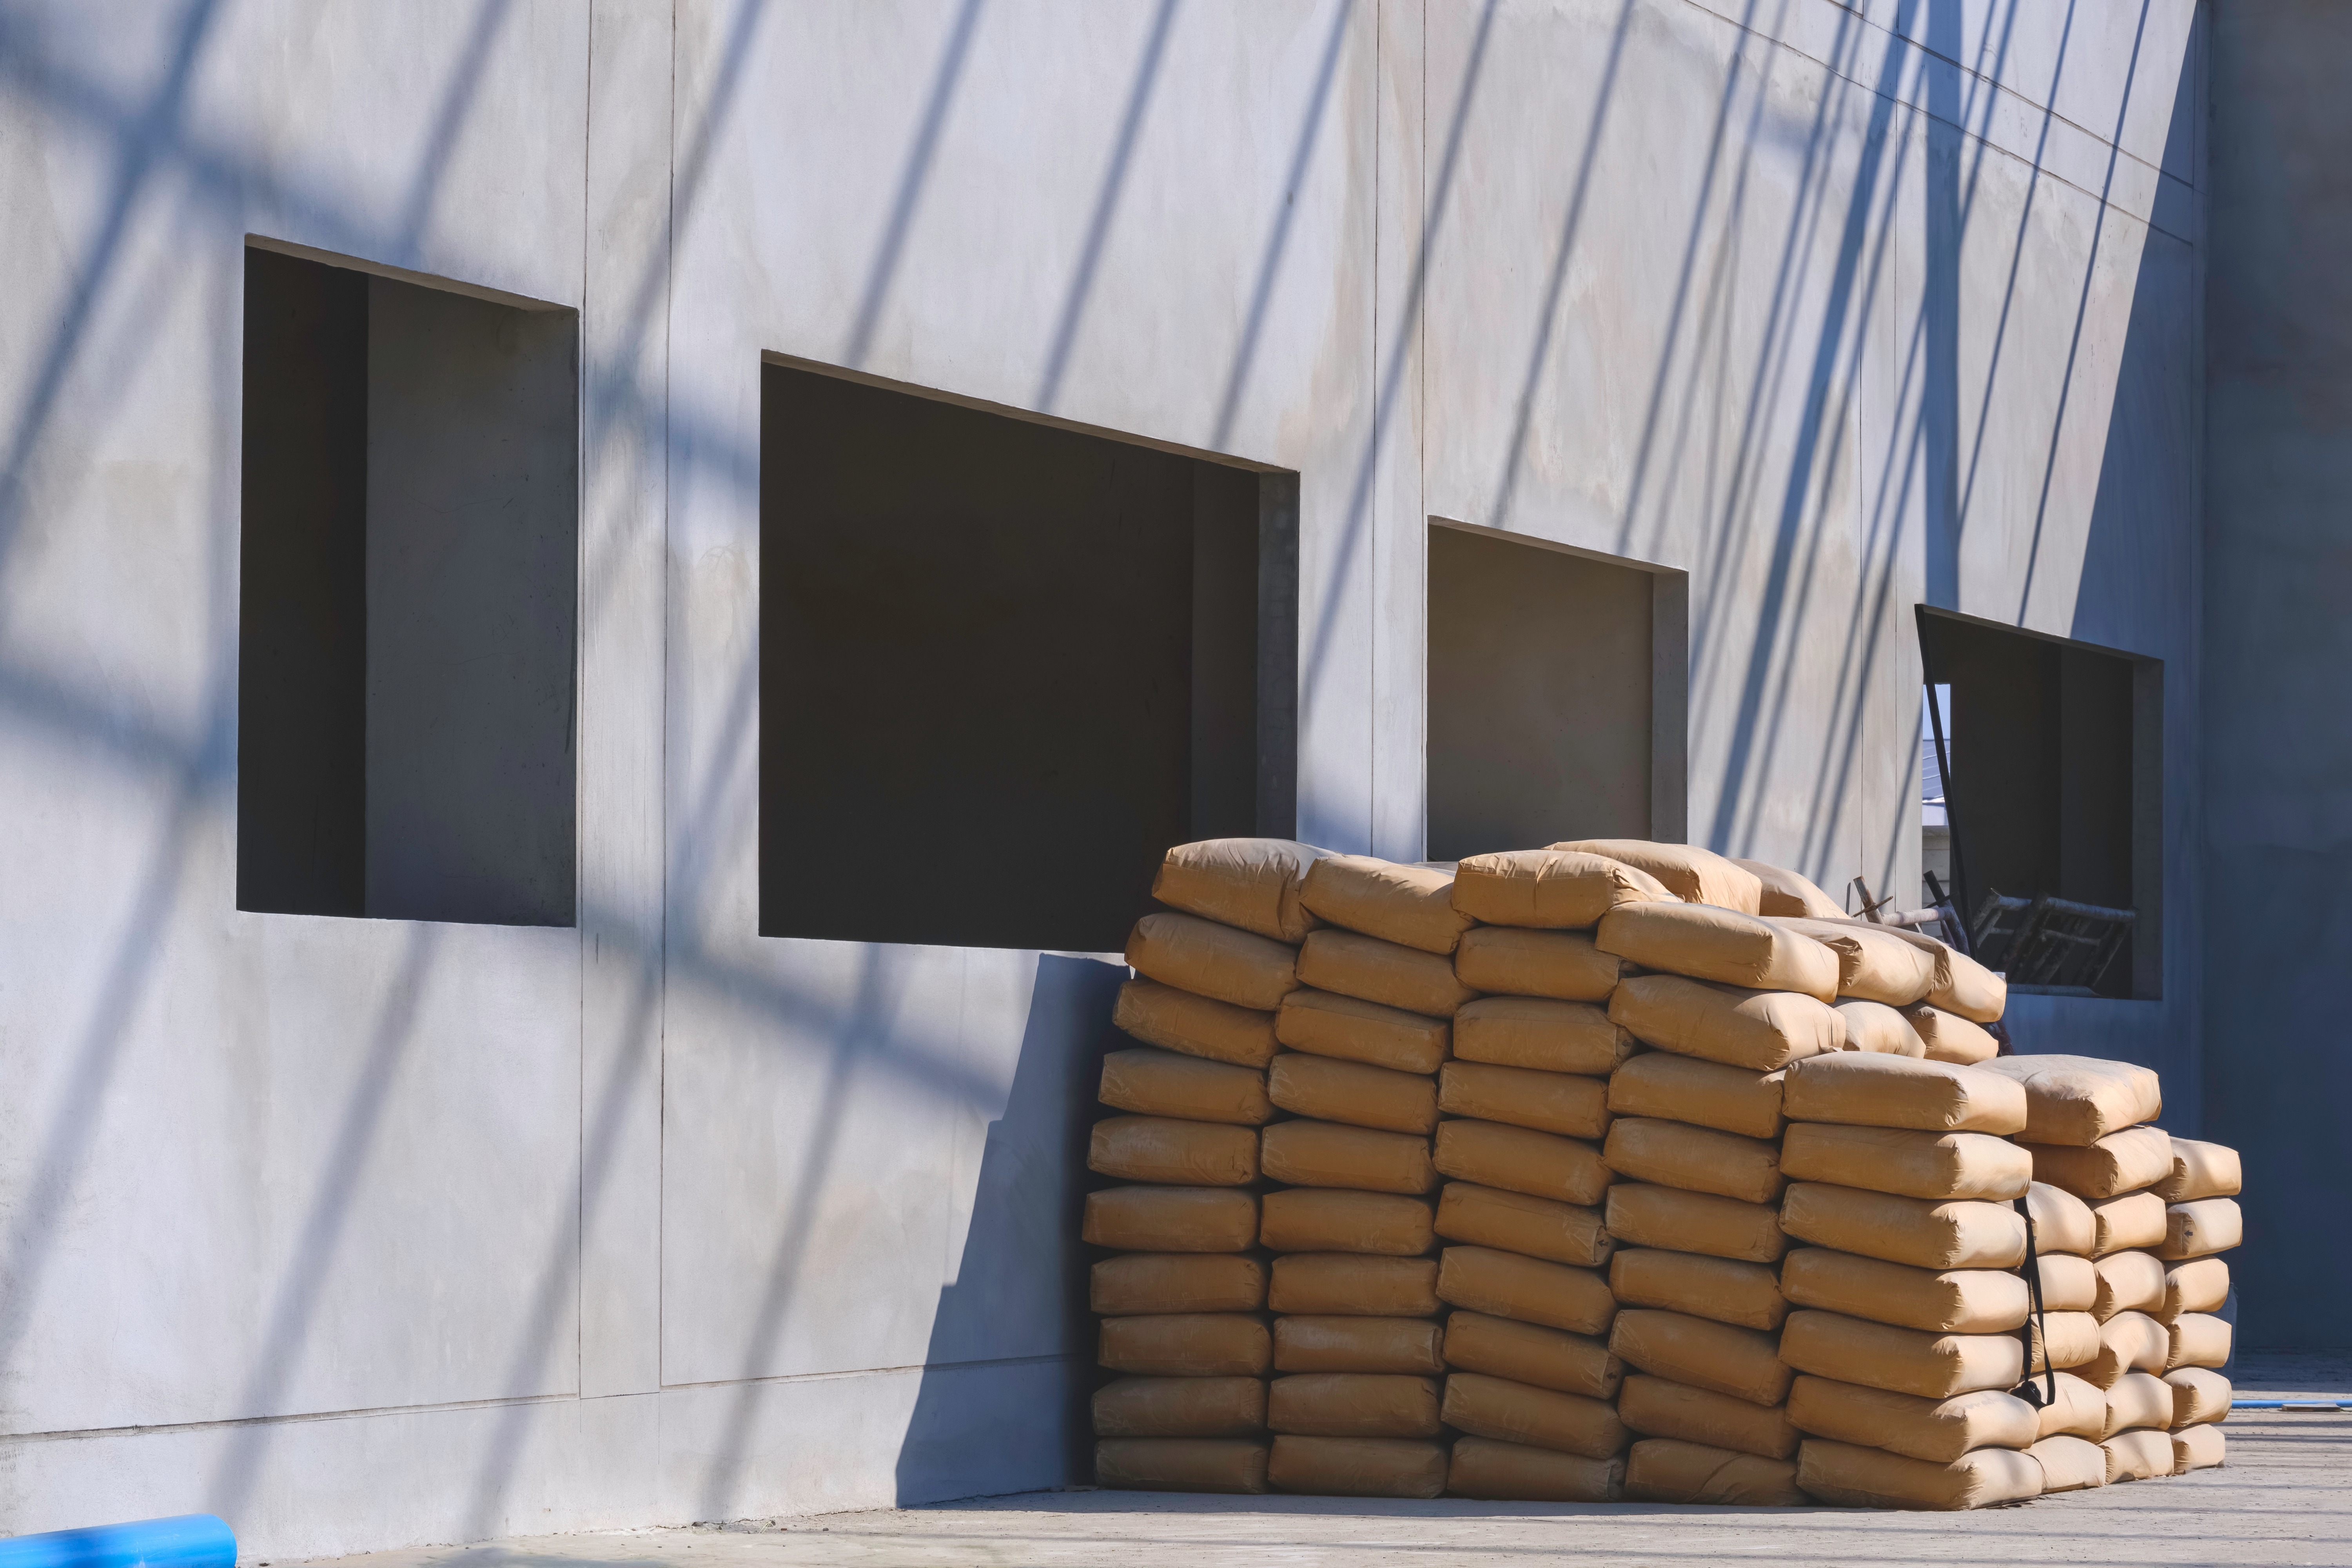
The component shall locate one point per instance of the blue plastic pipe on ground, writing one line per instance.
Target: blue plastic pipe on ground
(187, 1541)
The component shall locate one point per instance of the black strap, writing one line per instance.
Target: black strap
(2042, 1398)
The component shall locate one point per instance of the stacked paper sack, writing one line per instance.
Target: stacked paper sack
(1643, 1050)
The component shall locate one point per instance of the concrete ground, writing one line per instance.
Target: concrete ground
(2285, 1496)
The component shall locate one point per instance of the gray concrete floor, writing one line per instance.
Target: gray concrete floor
(2286, 1496)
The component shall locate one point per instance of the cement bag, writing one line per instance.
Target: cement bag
(1657, 1407)
(2201, 1286)
(1880, 1030)
(1409, 905)
(1721, 946)
(1953, 1301)
(1559, 964)
(1532, 1354)
(2065, 1342)
(1855, 1477)
(1897, 1091)
(2080, 1410)
(1170, 1219)
(1539, 1417)
(1704, 1094)
(1694, 1159)
(1515, 1472)
(2139, 1456)
(1163, 1016)
(2196, 1339)
(1963, 986)
(1692, 874)
(1640, 1215)
(1948, 1037)
(2201, 1229)
(1252, 883)
(2068, 1284)
(1326, 1154)
(1758, 1030)
(2199, 1394)
(1405, 1346)
(1167, 1083)
(1558, 1102)
(1182, 1153)
(1182, 1464)
(1740, 1362)
(1936, 1431)
(1874, 964)
(1358, 1466)
(1186, 1344)
(1138, 1282)
(1727, 1289)
(1521, 1159)
(1514, 1222)
(1536, 1033)
(1483, 1279)
(2138, 1399)
(2120, 1163)
(1665, 1469)
(2200, 1170)
(1939, 1166)
(1961, 1234)
(1365, 967)
(1309, 1219)
(2128, 1342)
(2061, 1222)
(1330, 1089)
(2077, 1101)
(2129, 1282)
(1180, 1407)
(1214, 961)
(1549, 889)
(1325, 1023)
(1784, 892)
(2135, 1219)
(2197, 1448)
(1352, 1404)
(1352, 1282)
(1906, 1361)
(2069, 1464)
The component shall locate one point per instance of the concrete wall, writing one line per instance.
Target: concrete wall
(368, 1232)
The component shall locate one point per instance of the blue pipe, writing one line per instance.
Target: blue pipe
(188, 1540)
(2245, 1404)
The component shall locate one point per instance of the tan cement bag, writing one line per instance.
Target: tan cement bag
(1963, 986)
(1252, 883)
(1539, 1417)
(1855, 1477)
(1537, 1033)
(2135, 1219)
(2140, 1456)
(1325, 1023)
(1953, 1301)
(1327, 1154)
(1514, 1222)
(1514, 1472)
(2068, 1284)
(1218, 962)
(2138, 1399)
(2197, 1448)
(1521, 1159)
(1704, 1094)
(1180, 1407)
(1880, 1030)
(2128, 1342)
(1948, 1037)
(1409, 905)
(2069, 1464)
(1937, 1166)
(1182, 1464)
(1938, 1431)
(1874, 964)
(2077, 1101)
(1168, 1083)
(1786, 893)
(1665, 1469)
(1186, 1344)
(2200, 1170)
(1311, 1219)
(2201, 1229)
(2120, 1163)
(1159, 1282)
(1487, 1280)
(1170, 1219)
(2129, 1282)
(1858, 1091)
(1330, 1282)
(1961, 1234)
(1551, 889)
(2072, 1343)
(1219, 1031)
(2061, 1222)
(2081, 1410)
(1657, 1407)
(1741, 1362)
(1759, 1030)
(1724, 1289)
(1692, 874)
(1565, 1103)
(1352, 1404)
(1694, 1159)
(1906, 1361)
(1180, 1153)
(2196, 1339)
(1330, 1089)
(2201, 1286)
(1532, 1354)
(1562, 965)
(1358, 1466)
(2199, 1394)
(1353, 965)
(1722, 945)
(1641, 1214)
(1333, 1344)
